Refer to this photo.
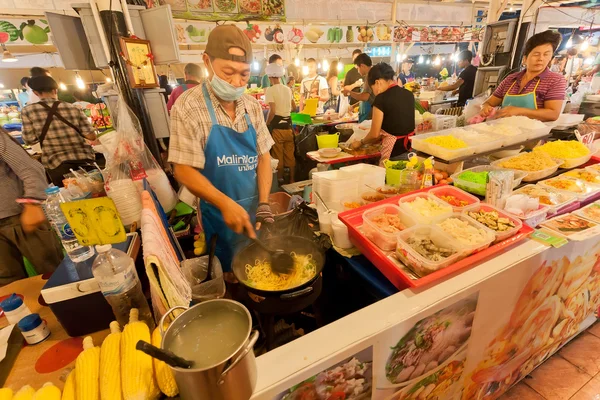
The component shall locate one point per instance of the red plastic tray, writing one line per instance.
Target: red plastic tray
(398, 277)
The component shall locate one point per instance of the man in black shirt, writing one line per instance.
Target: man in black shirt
(466, 79)
(352, 76)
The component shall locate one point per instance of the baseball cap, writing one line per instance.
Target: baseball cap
(42, 83)
(409, 60)
(224, 37)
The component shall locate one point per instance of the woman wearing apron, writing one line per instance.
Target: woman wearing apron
(393, 113)
(535, 92)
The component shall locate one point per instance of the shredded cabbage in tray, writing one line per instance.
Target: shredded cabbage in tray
(427, 207)
(522, 122)
(464, 232)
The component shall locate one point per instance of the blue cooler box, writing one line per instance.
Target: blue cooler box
(75, 298)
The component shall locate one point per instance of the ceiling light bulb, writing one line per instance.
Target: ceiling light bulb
(510, 9)
(297, 62)
(325, 65)
(569, 42)
(340, 67)
(437, 60)
(1, 85)
(319, 65)
(108, 80)
(256, 65)
(584, 45)
(420, 59)
(62, 86)
(428, 61)
(79, 82)
(305, 70)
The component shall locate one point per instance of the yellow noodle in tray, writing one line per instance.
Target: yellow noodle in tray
(563, 149)
(261, 276)
(447, 142)
(529, 162)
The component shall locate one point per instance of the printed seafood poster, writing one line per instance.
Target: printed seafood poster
(424, 358)
(350, 379)
(479, 343)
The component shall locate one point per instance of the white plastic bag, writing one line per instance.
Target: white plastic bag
(344, 104)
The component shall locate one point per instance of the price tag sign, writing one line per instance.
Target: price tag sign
(94, 221)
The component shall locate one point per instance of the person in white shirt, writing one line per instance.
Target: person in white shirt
(281, 103)
(313, 87)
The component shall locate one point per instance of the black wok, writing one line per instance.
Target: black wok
(253, 252)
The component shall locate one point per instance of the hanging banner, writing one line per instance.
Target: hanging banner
(225, 10)
(192, 32)
(24, 31)
(437, 34)
(473, 345)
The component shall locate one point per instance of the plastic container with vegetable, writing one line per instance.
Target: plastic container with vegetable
(457, 198)
(503, 224)
(470, 235)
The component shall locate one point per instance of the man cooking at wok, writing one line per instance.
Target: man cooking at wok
(220, 144)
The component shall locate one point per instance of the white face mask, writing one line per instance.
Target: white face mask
(225, 90)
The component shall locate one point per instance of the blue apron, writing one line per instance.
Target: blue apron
(230, 165)
(528, 100)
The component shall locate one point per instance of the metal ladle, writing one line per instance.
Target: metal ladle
(281, 261)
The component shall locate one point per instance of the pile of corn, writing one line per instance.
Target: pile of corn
(447, 142)
(115, 371)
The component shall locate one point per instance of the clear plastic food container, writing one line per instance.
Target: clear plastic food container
(478, 188)
(590, 212)
(534, 218)
(415, 261)
(482, 141)
(419, 143)
(384, 240)
(531, 175)
(500, 235)
(425, 219)
(556, 197)
(355, 200)
(589, 175)
(460, 195)
(468, 249)
(388, 191)
(371, 197)
(507, 140)
(587, 189)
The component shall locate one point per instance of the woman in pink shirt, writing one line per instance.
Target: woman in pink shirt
(535, 92)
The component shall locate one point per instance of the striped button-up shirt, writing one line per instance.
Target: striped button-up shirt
(20, 176)
(191, 125)
(552, 86)
(62, 143)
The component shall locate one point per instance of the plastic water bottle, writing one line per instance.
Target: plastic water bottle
(118, 280)
(76, 252)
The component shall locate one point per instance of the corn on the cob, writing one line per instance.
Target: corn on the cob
(69, 388)
(25, 393)
(87, 368)
(110, 364)
(137, 375)
(6, 394)
(47, 392)
(164, 375)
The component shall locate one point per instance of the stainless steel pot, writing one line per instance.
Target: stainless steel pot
(231, 379)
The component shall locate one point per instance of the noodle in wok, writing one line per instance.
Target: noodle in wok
(261, 276)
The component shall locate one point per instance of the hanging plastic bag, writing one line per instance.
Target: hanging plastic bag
(344, 104)
(129, 158)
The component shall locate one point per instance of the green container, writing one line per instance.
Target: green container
(301, 119)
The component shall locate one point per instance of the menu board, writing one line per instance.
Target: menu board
(230, 10)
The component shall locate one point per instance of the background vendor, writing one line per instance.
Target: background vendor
(281, 103)
(393, 113)
(220, 144)
(466, 79)
(366, 97)
(535, 92)
(406, 75)
(313, 86)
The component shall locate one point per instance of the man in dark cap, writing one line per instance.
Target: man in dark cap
(220, 144)
(60, 129)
